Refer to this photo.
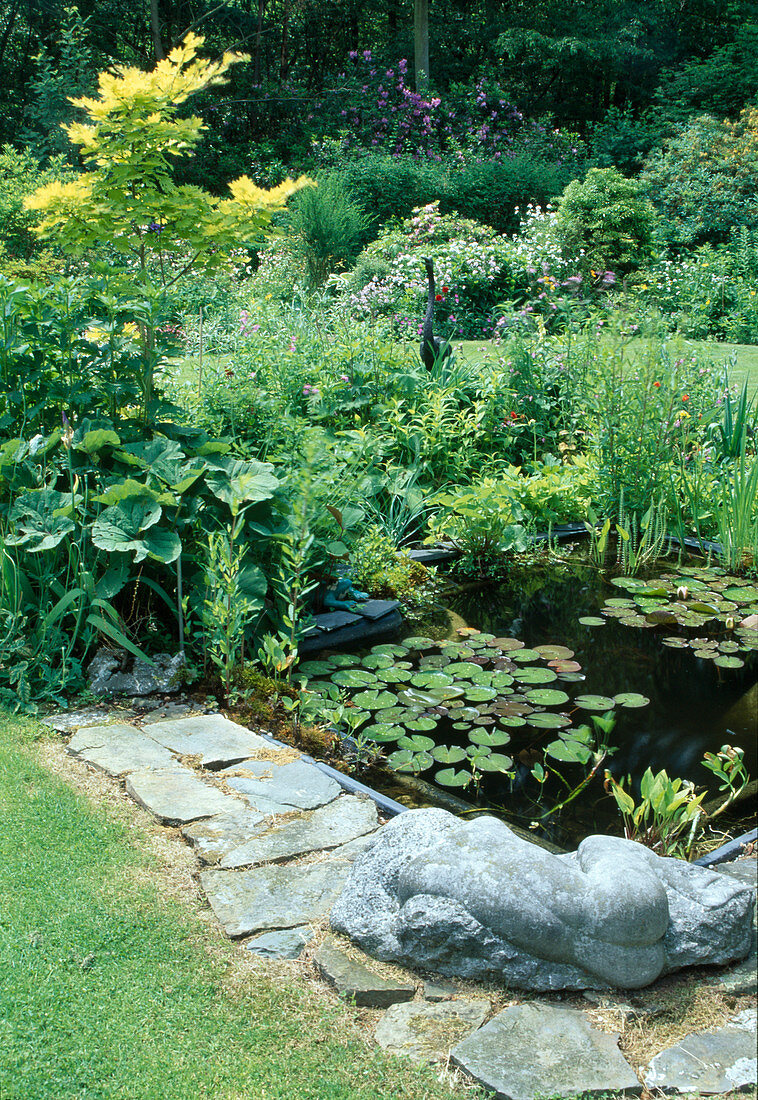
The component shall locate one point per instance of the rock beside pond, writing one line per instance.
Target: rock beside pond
(114, 672)
(473, 900)
(708, 1062)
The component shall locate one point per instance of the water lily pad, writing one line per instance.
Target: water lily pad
(631, 699)
(417, 743)
(314, 668)
(421, 724)
(507, 645)
(741, 594)
(479, 694)
(462, 669)
(554, 652)
(729, 662)
(353, 677)
(592, 620)
(501, 680)
(375, 700)
(676, 643)
(547, 697)
(569, 752)
(622, 601)
(409, 760)
(565, 666)
(431, 680)
(383, 731)
(547, 720)
(535, 675)
(491, 738)
(340, 660)
(449, 777)
(418, 642)
(595, 702)
(706, 654)
(525, 656)
(377, 660)
(390, 650)
(495, 762)
(393, 675)
(448, 754)
(432, 662)
(661, 617)
(729, 647)
(572, 677)
(514, 721)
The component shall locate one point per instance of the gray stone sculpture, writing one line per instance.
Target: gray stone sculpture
(473, 900)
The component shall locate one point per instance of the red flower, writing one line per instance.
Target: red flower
(438, 297)
(229, 373)
(656, 383)
(685, 397)
(445, 289)
(514, 416)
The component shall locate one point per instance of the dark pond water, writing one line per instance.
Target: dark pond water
(694, 708)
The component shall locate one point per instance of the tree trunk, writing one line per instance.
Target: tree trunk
(155, 24)
(284, 56)
(421, 43)
(258, 40)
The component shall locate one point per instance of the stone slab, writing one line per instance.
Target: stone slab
(358, 633)
(297, 785)
(710, 1061)
(377, 609)
(176, 796)
(439, 991)
(335, 620)
(119, 749)
(215, 836)
(425, 1032)
(535, 1049)
(340, 821)
(357, 981)
(273, 897)
(217, 741)
(69, 720)
(287, 944)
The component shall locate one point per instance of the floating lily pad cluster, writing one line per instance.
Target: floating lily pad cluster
(479, 692)
(717, 614)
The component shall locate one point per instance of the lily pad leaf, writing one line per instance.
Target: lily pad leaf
(448, 754)
(631, 699)
(595, 702)
(449, 777)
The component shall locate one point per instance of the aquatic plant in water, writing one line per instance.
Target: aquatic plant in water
(454, 706)
(717, 614)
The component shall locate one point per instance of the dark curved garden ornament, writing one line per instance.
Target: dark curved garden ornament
(432, 348)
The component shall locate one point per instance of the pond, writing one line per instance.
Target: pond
(695, 706)
(530, 664)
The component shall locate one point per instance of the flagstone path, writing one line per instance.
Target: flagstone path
(275, 838)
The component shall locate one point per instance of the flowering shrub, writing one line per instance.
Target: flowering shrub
(471, 273)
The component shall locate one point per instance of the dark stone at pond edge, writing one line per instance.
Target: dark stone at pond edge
(377, 609)
(356, 981)
(288, 944)
(357, 633)
(334, 620)
(534, 1050)
(708, 1062)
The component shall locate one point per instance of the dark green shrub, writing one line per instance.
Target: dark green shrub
(20, 175)
(704, 181)
(492, 191)
(391, 187)
(608, 218)
(329, 228)
(624, 138)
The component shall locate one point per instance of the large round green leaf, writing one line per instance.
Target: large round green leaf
(449, 777)
(595, 702)
(375, 700)
(448, 754)
(353, 677)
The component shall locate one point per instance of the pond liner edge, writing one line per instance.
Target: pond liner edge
(728, 852)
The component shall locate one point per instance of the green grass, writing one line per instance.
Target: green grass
(745, 356)
(110, 990)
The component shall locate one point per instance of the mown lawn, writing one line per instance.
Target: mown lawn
(110, 989)
(742, 358)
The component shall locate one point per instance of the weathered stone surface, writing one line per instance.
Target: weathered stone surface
(176, 796)
(119, 749)
(534, 1050)
(274, 788)
(473, 900)
(439, 991)
(287, 944)
(107, 675)
(72, 719)
(217, 741)
(708, 1062)
(213, 838)
(275, 896)
(357, 981)
(377, 609)
(425, 1032)
(326, 827)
